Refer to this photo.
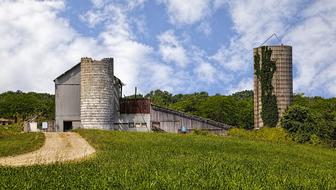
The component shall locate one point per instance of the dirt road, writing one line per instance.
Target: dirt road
(58, 147)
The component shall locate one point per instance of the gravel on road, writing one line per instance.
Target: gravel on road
(58, 147)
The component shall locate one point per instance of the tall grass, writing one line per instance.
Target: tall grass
(275, 135)
(170, 161)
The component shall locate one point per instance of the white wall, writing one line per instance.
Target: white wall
(141, 121)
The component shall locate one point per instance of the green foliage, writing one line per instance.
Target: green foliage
(160, 98)
(299, 122)
(13, 141)
(236, 110)
(311, 125)
(227, 109)
(245, 94)
(20, 105)
(315, 140)
(264, 73)
(171, 161)
(189, 103)
(275, 135)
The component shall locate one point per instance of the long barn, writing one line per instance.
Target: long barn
(172, 121)
(141, 114)
(89, 96)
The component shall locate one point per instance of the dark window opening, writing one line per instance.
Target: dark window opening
(67, 126)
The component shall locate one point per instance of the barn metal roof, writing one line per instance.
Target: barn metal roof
(200, 119)
(66, 72)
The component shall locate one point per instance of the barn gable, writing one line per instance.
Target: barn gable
(67, 99)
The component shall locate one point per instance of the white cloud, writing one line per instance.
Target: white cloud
(314, 49)
(309, 28)
(132, 4)
(232, 59)
(119, 41)
(36, 45)
(185, 11)
(98, 3)
(172, 50)
(217, 4)
(136, 63)
(161, 77)
(245, 84)
(253, 21)
(205, 72)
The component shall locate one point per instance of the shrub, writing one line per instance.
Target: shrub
(304, 125)
(300, 123)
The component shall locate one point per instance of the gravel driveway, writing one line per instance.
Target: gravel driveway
(58, 147)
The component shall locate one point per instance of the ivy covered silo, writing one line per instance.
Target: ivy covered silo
(273, 83)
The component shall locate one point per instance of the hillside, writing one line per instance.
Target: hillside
(127, 160)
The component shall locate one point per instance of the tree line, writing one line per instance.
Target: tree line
(235, 109)
(22, 106)
(308, 119)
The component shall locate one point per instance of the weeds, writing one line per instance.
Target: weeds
(275, 135)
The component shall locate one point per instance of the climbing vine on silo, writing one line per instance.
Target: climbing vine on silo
(264, 73)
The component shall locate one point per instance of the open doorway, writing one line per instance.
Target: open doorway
(67, 126)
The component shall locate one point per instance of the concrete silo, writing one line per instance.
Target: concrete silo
(282, 80)
(97, 94)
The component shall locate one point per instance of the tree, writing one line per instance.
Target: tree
(245, 94)
(20, 106)
(300, 122)
(160, 98)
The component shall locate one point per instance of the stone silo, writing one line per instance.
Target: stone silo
(97, 94)
(281, 80)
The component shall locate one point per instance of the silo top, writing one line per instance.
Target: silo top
(281, 45)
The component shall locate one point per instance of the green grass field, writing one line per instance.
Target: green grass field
(13, 142)
(127, 160)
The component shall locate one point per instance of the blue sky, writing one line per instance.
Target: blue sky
(181, 46)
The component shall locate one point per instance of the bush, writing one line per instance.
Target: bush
(300, 123)
(307, 126)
